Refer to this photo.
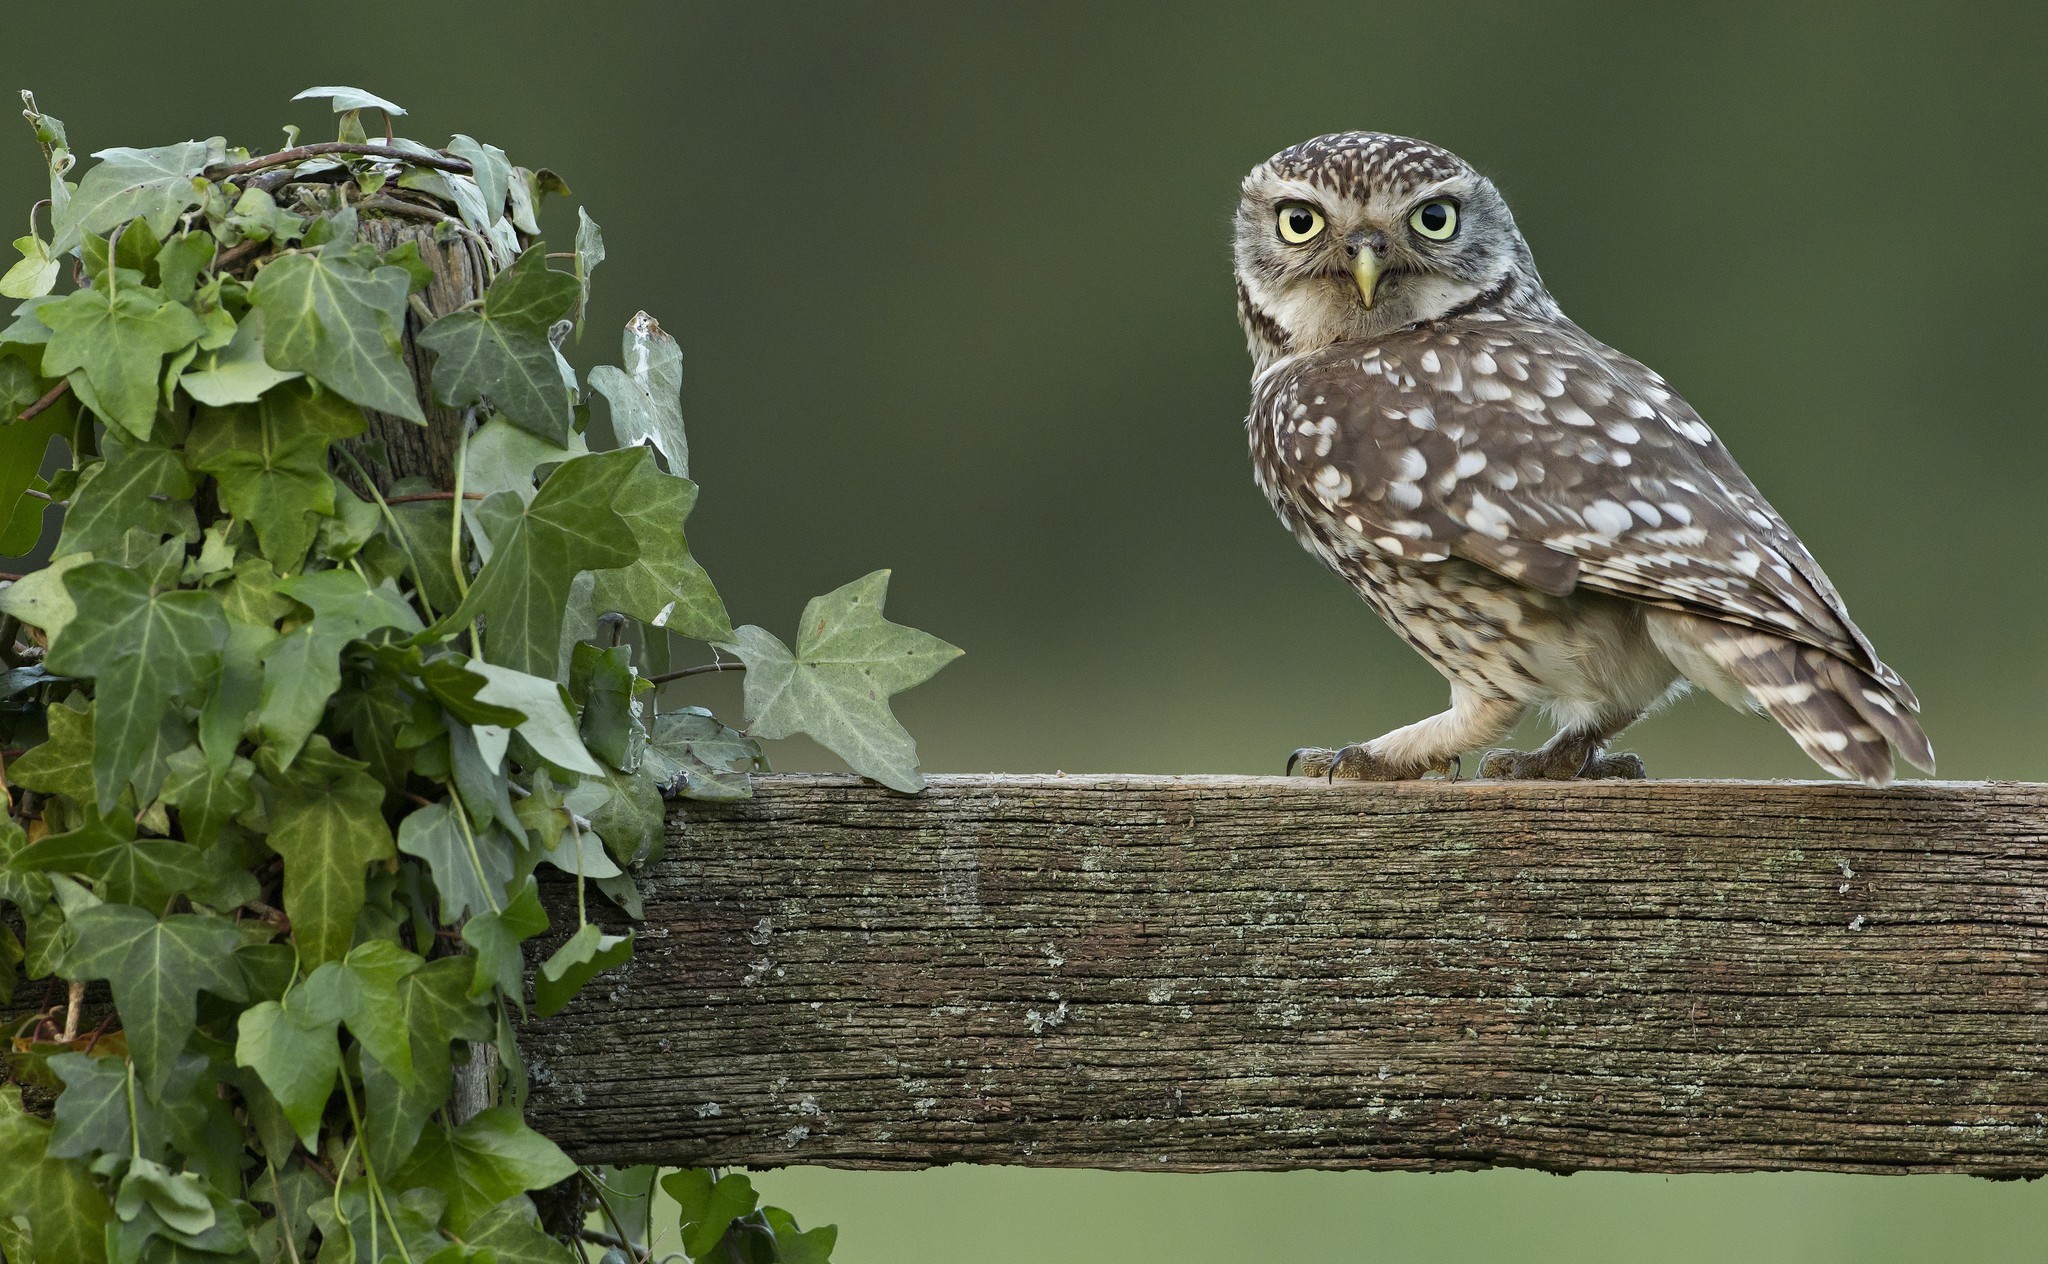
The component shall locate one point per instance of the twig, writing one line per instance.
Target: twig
(71, 1008)
(284, 157)
(699, 670)
(236, 253)
(50, 397)
(409, 499)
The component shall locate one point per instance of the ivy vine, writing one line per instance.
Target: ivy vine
(290, 730)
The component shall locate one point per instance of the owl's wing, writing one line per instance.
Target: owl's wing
(1537, 452)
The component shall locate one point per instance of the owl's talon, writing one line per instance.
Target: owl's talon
(1358, 762)
(1621, 766)
(1560, 764)
(1314, 761)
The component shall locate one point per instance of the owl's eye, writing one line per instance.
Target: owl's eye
(1299, 222)
(1436, 220)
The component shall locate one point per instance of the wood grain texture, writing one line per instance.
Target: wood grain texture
(1217, 972)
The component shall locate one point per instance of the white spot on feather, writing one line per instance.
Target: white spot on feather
(1607, 517)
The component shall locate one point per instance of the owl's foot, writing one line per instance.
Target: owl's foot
(1357, 762)
(1561, 763)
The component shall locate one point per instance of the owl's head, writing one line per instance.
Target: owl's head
(1358, 234)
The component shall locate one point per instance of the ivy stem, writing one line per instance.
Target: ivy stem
(618, 1226)
(134, 1125)
(455, 525)
(414, 497)
(370, 1172)
(283, 1216)
(49, 397)
(475, 858)
(418, 575)
(74, 1001)
(698, 670)
(285, 157)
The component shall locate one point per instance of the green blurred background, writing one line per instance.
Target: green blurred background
(954, 292)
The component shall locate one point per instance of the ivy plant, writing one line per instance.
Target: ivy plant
(292, 734)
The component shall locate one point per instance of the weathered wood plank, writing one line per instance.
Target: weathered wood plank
(1220, 972)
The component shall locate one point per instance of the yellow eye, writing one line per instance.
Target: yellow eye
(1299, 222)
(1436, 220)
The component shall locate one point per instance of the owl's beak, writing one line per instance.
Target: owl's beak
(1365, 269)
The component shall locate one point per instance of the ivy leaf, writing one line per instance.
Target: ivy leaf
(339, 323)
(491, 169)
(179, 1200)
(646, 395)
(537, 550)
(302, 670)
(664, 587)
(500, 457)
(270, 459)
(795, 1246)
(691, 753)
(435, 1007)
(119, 341)
(496, 938)
(23, 443)
(143, 486)
(628, 816)
(548, 726)
(468, 885)
(66, 1212)
(207, 798)
(238, 374)
(587, 953)
(154, 185)
(38, 598)
(63, 763)
(836, 686)
(346, 99)
(145, 872)
(36, 272)
(589, 253)
(512, 1229)
(610, 690)
(157, 970)
(294, 1052)
(92, 1114)
(328, 829)
(502, 352)
(484, 1162)
(143, 651)
(363, 988)
(708, 1208)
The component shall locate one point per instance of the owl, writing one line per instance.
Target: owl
(1541, 517)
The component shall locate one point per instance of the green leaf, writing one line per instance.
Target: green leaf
(363, 989)
(630, 817)
(708, 1208)
(691, 753)
(207, 798)
(537, 550)
(180, 262)
(63, 763)
(270, 459)
(328, 829)
(548, 726)
(646, 396)
(436, 1008)
(346, 99)
(793, 1245)
(294, 1052)
(23, 443)
(66, 1212)
(155, 185)
(496, 938)
(589, 253)
(339, 323)
(468, 884)
(587, 953)
(500, 457)
(92, 1114)
(257, 217)
(143, 651)
(39, 598)
(36, 273)
(491, 170)
(143, 486)
(836, 686)
(145, 872)
(179, 1200)
(664, 587)
(118, 341)
(238, 373)
(610, 690)
(302, 670)
(512, 1229)
(157, 970)
(486, 1161)
(502, 352)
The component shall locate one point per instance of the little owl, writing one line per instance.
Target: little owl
(1543, 518)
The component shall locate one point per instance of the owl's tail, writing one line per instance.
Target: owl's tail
(1844, 718)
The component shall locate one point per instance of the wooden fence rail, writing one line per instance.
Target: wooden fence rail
(1198, 973)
